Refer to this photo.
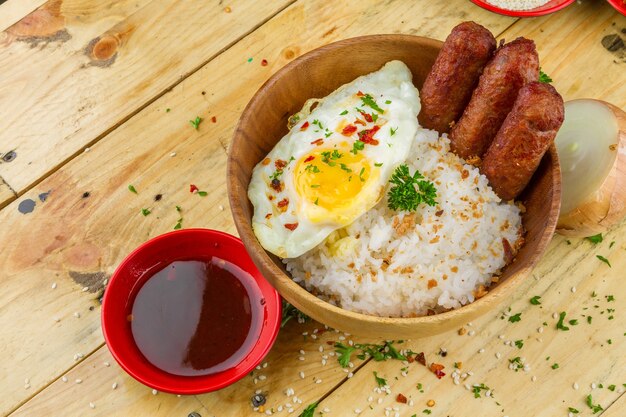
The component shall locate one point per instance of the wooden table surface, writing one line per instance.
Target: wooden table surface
(97, 95)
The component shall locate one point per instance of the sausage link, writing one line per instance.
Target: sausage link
(454, 75)
(525, 136)
(512, 66)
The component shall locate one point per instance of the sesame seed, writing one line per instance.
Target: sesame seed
(27, 381)
(323, 362)
(78, 381)
(357, 411)
(539, 329)
(350, 374)
(221, 207)
(92, 405)
(258, 367)
(107, 364)
(350, 364)
(379, 401)
(471, 333)
(114, 386)
(57, 319)
(573, 289)
(87, 149)
(321, 348)
(342, 338)
(411, 403)
(300, 358)
(279, 408)
(313, 336)
(54, 285)
(85, 289)
(26, 386)
(498, 356)
(301, 375)
(154, 392)
(326, 410)
(370, 399)
(501, 337)
(533, 378)
(77, 314)
(575, 385)
(467, 387)
(555, 315)
(470, 324)
(262, 377)
(64, 378)
(481, 350)
(172, 154)
(302, 352)
(593, 385)
(319, 381)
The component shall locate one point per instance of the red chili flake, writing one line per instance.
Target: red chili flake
(360, 94)
(309, 158)
(367, 136)
(367, 116)
(214, 119)
(266, 161)
(348, 130)
(436, 369)
(508, 251)
(304, 126)
(410, 358)
(360, 122)
(401, 399)
(193, 188)
(330, 342)
(268, 215)
(291, 226)
(280, 164)
(277, 185)
(421, 358)
(264, 63)
(270, 197)
(282, 204)
(318, 142)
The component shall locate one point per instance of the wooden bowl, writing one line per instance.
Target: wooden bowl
(316, 74)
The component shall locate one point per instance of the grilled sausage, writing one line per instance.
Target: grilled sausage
(512, 66)
(525, 136)
(454, 75)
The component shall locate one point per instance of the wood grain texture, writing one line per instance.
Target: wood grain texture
(13, 11)
(92, 65)
(6, 194)
(86, 238)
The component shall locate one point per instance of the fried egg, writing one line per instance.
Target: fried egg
(335, 162)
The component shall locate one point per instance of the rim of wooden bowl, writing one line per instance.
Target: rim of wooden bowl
(336, 317)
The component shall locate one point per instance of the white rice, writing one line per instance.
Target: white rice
(397, 264)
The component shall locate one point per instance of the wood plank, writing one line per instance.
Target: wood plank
(6, 194)
(101, 62)
(617, 408)
(13, 11)
(96, 388)
(88, 236)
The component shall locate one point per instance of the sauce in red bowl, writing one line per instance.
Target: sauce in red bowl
(188, 312)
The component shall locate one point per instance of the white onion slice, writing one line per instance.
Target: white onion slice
(592, 151)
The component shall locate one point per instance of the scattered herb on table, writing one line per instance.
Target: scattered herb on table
(572, 410)
(611, 244)
(179, 224)
(589, 318)
(519, 343)
(426, 411)
(609, 298)
(515, 318)
(559, 324)
(309, 410)
(476, 389)
(196, 122)
(543, 77)
(535, 300)
(132, 189)
(573, 322)
(289, 312)
(377, 352)
(595, 238)
(168, 110)
(404, 196)
(380, 381)
(202, 193)
(516, 363)
(179, 209)
(603, 259)
(420, 387)
(555, 365)
(611, 387)
(145, 211)
(596, 408)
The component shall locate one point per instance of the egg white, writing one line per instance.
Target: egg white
(392, 90)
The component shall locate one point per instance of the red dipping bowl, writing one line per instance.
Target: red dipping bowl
(130, 275)
(619, 5)
(550, 7)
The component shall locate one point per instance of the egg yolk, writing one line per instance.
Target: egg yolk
(330, 178)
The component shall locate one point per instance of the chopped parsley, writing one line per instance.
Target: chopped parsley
(345, 167)
(611, 387)
(357, 146)
(388, 102)
(517, 363)
(315, 186)
(420, 387)
(426, 411)
(573, 322)
(393, 131)
(589, 318)
(611, 244)
(343, 113)
(312, 168)
(309, 411)
(343, 354)
(178, 209)
(276, 174)
(378, 164)
(519, 343)
(361, 174)
(380, 381)
(328, 157)
(328, 133)
(317, 122)
(377, 352)
(316, 201)
(572, 410)
(535, 300)
(289, 312)
(168, 110)
(595, 238)
(603, 259)
(555, 365)
(145, 211)
(477, 388)
(132, 189)
(559, 324)
(515, 318)
(596, 408)
(369, 101)
(403, 195)
(543, 77)
(179, 224)
(196, 122)
(609, 298)
(202, 193)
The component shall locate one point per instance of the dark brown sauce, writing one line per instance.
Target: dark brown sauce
(197, 317)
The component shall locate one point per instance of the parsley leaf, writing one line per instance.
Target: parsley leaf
(535, 300)
(380, 381)
(378, 164)
(345, 167)
(344, 353)
(555, 366)
(515, 318)
(393, 131)
(289, 312)
(178, 209)
(596, 408)
(560, 325)
(357, 146)
(179, 224)
(145, 211)
(343, 113)
(611, 244)
(543, 77)
(369, 101)
(309, 411)
(477, 388)
(196, 122)
(426, 411)
(312, 168)
(572, 410)
(132, 189)
(573, 322)
(202, 193)
(595, 238)
(388, 102)
(404, 196)
(603, 259)
(519, 343)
